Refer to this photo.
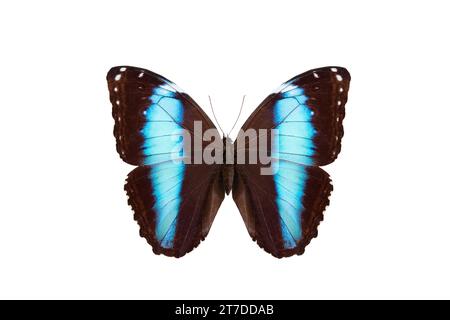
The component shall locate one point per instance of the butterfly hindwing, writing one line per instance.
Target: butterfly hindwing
(174, 214)
(174, 201)
(283, 209)
(282, 216)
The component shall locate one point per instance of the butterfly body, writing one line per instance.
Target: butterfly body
(228, 164)
(272, 169)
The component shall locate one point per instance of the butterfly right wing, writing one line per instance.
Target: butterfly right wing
(174, 201)
(283, 209)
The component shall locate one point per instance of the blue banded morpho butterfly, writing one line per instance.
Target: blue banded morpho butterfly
(175, 202)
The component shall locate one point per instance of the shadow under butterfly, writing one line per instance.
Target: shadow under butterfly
(175, 202)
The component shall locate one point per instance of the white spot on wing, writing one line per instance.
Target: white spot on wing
(334, 69)
(122, 69)
(117, 77)
(339, 77)
(315, 75)
(141, 75)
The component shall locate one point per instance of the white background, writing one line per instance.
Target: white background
(66, 230)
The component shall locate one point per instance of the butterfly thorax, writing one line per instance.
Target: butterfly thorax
(228, 164)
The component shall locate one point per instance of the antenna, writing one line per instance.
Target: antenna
(212, 109)
(240, 111)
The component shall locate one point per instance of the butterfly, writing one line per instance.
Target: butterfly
(175, 202)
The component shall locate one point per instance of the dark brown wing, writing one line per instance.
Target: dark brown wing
(131, 90)
(174, 200)
(283, 209)
(190, 212)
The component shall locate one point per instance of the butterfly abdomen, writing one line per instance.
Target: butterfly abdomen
(228, 175)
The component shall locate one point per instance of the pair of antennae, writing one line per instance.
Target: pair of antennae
(218, 124)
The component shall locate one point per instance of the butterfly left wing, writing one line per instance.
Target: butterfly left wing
(174, 201)
(282, 210)
(174, 206)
